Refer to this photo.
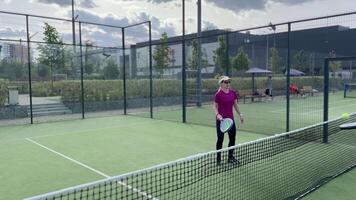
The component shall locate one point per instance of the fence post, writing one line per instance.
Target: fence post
(183, 65)
(151, 82)
(326, 100)
(29, 66)
(288, 79)
(124, 69)
(81, 69)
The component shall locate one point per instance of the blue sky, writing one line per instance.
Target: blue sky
(164, 14)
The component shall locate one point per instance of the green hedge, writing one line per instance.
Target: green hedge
(3, 91)
(106, 90)
(21, 85)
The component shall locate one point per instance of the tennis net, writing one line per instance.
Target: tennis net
(283, 166)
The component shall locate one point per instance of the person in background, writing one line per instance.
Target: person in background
(268, 91)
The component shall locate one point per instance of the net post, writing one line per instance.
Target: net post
(326, 99)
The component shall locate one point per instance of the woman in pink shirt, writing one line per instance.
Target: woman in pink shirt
(225, 100)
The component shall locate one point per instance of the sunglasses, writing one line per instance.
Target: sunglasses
(226, 82)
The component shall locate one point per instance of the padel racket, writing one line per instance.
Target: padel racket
(226, 124)
(346, 126)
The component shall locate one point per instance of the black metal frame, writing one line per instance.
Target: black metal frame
(184, 85)
(326, 91)
(80, 22)
(182, 40)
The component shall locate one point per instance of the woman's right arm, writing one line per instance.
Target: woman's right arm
(216, 110)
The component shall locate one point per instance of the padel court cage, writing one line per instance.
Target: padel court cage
(92, 77)
(331, 84)
(66, 76)
(284, 166)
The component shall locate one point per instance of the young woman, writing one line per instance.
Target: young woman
(225, 100)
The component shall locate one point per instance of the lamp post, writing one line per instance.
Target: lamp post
(271, 27)
(29, 49)
(267, 51)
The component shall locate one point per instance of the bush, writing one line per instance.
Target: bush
(3, 91)
(112, 90)
(22, 86)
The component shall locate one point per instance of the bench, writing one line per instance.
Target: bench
(308, 90)
(244, 94)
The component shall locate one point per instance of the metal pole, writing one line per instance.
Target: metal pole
(151, 82)
(81, 69)
(267, 52)
(288, 77)
(183, 64)
(73, 23)
(326, 100)
(227, 54)
(29, 67)
(198, 89)
(124, 68)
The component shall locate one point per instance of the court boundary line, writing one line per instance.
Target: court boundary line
(74, 132)
(317, 110)
(181, 160)
(87, 167)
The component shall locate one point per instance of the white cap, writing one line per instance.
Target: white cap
(224, 78)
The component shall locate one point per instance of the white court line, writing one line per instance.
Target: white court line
(90, 168)
(313, 106)
(68, 158)
(321, 110)
(332, 108)
(88, 131)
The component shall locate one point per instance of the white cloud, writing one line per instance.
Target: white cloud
(66, 3)
(5, 1)
(8, 32)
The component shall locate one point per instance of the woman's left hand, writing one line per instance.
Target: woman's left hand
(242, 119)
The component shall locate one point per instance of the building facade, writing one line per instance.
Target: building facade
(13, 52)
(313, 45)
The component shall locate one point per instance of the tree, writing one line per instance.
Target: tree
(193, 60)
(52, 53)
(88, 64)
(220, 59)
(300, 61)
(204, 60)
(67, 56)
(334, 65)
(111, 70)
(240, 61)
(275, 60)
(43, 70)
(161, 54)
(12, 70)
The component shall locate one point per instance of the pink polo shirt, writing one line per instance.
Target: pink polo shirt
(225, 102)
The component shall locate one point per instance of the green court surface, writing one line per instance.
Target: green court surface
(33, 156)
(341, 188)
(41, 158)
(269, 116)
